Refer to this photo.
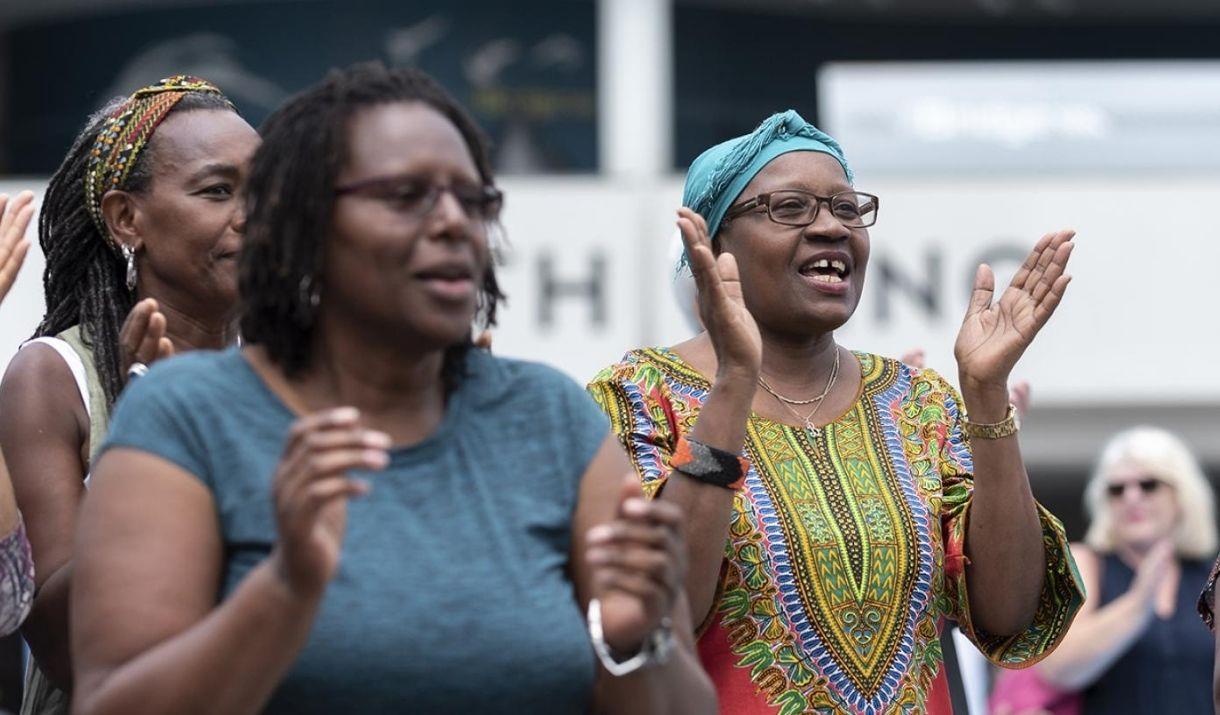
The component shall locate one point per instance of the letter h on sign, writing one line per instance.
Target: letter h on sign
(551, 289)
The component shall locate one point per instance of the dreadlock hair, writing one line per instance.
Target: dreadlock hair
(290, 200)
(85, 278)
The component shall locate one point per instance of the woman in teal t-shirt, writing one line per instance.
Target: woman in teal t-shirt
(358, 511)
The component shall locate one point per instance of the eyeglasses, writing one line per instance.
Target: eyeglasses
(1147, 486)
(792, 207)
(417, 198)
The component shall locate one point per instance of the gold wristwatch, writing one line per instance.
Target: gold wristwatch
(997, 430)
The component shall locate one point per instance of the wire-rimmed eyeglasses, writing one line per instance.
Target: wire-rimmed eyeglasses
(793, 207)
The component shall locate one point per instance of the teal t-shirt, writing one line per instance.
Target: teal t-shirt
(452, 595)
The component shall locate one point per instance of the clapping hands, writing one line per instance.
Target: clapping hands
(638, 562)
(994, 334)
(722, 309)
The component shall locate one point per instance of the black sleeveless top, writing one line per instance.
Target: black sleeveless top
(1169, 669)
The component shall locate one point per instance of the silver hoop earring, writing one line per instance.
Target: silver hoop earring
(130, 254)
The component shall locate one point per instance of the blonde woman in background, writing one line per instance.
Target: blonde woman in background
(1136, 646)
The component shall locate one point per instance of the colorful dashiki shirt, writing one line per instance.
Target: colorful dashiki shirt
(845, 548)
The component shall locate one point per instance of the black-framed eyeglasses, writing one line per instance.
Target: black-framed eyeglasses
(416, 198)
(793, 207)
(1147, 485)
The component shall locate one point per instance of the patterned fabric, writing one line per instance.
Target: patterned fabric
(16, 579)
(1207, 599)
(845, 549)
(125, 134)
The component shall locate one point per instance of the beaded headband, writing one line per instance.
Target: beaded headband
(126, 132)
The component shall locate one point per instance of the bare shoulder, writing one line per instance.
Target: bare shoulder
(39, 393)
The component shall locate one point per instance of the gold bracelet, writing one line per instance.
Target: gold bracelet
(998, 430)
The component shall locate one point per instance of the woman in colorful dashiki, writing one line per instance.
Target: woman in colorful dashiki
(495, 505)
(1136, 646)
(141, 229)
(871, 507)
(16, 562)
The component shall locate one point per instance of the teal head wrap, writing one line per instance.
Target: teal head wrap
(719, 175)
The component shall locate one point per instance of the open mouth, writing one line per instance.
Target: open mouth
(446, 273)
(826, 270)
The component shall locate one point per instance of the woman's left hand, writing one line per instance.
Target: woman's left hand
(638, 562)
(14, 219)
(994, 335)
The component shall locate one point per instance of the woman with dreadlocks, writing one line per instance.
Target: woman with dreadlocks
(498, 549)
(141, 227)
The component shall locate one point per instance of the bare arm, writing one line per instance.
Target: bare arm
(1100, 635)
(43, 431)
(145, 631)
(722, 420)
(9, 515)
(1216, 676)
(16, 563)
(148, 636)
(1004, 536)
(637, 585)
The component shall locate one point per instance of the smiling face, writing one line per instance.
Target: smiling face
(188, 225)
(1144, 508)
(798, 281)
(405, 273)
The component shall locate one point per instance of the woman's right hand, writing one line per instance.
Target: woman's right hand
(14, 219)
(731, 327)
(311, 490)
(142, 338)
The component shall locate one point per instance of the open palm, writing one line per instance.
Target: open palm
(14, 219)
(995, 334)
(722, 308)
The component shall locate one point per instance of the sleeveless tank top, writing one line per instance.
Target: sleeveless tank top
(71, 346)
(40, 696)
(1169, 669)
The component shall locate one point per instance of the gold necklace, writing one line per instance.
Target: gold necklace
(833, 371)
(811, 431)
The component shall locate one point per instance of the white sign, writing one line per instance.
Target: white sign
(926, 118)
(589, 276)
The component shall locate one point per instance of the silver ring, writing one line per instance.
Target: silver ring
(137, 369)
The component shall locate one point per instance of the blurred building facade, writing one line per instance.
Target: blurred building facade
(981, 125)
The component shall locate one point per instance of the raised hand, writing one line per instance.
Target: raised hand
(142, 338)
(1151, 573)
(994, 335)
(915, 357)
(1019, 396)
(311, 490)
(722, 309)
(14, 219)
(638, 562)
